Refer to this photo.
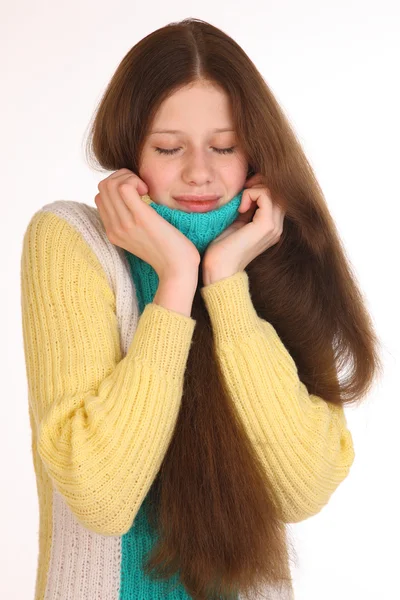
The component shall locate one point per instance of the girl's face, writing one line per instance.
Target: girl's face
(195, 159)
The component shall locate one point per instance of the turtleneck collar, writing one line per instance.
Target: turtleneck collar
(199, 228)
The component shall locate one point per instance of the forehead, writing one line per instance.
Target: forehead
(194, 109)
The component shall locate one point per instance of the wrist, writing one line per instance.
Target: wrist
(176, 294)
(213, 275)
(186, 277)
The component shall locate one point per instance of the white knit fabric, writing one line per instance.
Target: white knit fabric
(85, 565)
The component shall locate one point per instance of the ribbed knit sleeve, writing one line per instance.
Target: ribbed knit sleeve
(302, 440)
(103, 422)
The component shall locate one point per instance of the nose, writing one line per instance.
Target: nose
(198, 168)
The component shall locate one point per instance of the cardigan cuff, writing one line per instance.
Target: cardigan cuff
(231, 311)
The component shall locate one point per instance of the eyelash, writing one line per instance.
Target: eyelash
(219, 150)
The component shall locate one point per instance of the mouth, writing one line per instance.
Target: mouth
(197, 203)
(198, 206)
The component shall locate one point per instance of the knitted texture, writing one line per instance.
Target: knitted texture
(199, 228)
(104, 389)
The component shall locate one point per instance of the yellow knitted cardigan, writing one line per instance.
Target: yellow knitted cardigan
(89, 405)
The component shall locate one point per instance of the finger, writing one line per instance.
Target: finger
(119, 173)
(115, 210)
(124, 200)
(265, 215)
(279, 215)
(250, 198)
(105, 203)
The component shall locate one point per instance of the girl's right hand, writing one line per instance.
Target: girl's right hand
(133, 225)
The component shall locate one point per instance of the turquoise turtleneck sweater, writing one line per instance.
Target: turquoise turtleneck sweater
(201, 229)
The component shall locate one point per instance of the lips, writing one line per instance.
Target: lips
(197, 206)
(197, 198)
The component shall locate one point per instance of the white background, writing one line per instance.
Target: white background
(334, 68)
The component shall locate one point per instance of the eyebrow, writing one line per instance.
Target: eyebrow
(178, 131)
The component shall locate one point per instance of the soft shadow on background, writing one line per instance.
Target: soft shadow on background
(333, 68)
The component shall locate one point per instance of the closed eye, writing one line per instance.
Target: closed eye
(219, 150)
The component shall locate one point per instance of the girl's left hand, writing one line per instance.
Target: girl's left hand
(258, 227)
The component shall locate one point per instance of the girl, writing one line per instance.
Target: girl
(184, 340)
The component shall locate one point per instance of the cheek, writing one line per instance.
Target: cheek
(240, 164)
(237, 172)
(150, 169)
(146, 173)
(158, 178)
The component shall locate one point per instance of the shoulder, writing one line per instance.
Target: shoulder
(71, 219)
(81, 228)
(67, 235)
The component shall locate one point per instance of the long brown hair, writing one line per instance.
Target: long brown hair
(218, 519)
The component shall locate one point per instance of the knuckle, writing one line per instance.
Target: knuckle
(125, 188)
(125, 228)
